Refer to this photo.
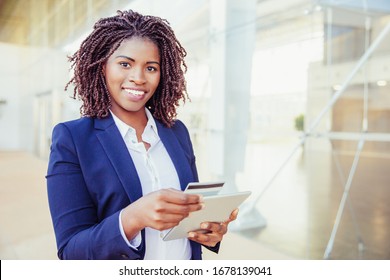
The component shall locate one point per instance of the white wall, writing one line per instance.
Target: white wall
(11, 61)
(26, 73)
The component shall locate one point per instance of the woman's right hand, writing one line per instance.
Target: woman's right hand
(159, 210)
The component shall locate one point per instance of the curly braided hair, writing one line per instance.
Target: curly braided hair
(106, 37)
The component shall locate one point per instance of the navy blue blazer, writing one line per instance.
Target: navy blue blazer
(91, 178)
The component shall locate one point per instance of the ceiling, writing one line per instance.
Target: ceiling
(53, 23)
(48, 22)
(13, 22)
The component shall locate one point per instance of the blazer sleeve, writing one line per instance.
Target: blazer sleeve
(79, 233)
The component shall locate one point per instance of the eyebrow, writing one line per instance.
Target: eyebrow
(132, 59)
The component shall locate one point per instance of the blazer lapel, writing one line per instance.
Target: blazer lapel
(176, 153)
(116, 150)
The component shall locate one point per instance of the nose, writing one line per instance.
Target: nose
(137, 76)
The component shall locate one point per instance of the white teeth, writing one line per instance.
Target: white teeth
(135, 92)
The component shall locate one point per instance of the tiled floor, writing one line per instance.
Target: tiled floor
(299, 207)
(301, 204)
(26, 231)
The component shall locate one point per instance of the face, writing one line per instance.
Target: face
(132, 76)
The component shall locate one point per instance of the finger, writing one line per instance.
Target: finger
(179, 197)
(165, 221)
(208, 239)
(183, 209)
(220, 228)
(163, 207)
(173, 201)
(163, 226)
(233, 215)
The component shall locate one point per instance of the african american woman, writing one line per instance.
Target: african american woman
(115, 176)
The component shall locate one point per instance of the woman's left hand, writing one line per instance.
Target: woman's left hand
(211, 233)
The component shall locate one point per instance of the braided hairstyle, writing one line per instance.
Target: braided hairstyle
(108, 34)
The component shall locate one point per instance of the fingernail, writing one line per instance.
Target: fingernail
(201, 198)
(204, 226)
(202, 206)
(191, 235)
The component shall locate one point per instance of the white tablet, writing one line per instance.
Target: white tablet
(217, 209)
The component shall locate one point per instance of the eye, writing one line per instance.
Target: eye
(151, 69)
(124, 64)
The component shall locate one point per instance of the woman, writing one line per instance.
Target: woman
(116, 175)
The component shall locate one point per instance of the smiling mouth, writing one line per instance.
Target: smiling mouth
(135, 92)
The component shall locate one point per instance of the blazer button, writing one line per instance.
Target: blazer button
(124, 256)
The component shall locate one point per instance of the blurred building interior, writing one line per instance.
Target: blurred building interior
(289, 99)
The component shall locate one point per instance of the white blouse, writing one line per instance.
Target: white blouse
(156, 171)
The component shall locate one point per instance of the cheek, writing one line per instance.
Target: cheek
(113, 77)
(156, 81)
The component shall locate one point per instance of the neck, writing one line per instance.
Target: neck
(136, 120)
